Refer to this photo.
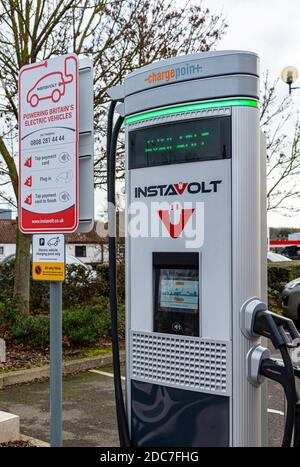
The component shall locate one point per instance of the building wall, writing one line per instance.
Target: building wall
(294, 236)
(8, 249)
(5, 214)
(95, 253)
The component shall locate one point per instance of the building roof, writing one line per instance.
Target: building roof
(8, 230)
(96, 235)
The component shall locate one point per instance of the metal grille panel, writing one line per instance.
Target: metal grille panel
(180, 361)
(176, 117)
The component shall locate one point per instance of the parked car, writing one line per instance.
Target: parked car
(276, 257)
(292, 252)
(291, 301)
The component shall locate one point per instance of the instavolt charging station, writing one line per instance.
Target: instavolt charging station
(195, 312)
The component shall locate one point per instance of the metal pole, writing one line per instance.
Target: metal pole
(56, 364)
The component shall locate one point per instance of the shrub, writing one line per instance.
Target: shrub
(32, 330)
(80, 326)
(7, 274)
(85, 326)
(103, 280)
(278, 276)
(39, 296)
(81, 287)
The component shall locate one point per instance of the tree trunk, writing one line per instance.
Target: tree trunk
(22, 272)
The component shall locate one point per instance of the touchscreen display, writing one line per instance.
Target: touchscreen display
(178, 290)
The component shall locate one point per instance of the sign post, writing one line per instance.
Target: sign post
(55, 364)
(48, 189)
(48, 264)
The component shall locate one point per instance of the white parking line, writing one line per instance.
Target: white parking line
(278, 412)
(104, 373)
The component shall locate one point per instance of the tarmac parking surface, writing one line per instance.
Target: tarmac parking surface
(89, 410)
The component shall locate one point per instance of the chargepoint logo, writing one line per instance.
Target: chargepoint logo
(177, 189)
(170, 74)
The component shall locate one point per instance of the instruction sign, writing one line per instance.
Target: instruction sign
(48, 145)
(48, 257)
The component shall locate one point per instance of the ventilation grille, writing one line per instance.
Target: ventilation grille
(179, 361)
(218, 112)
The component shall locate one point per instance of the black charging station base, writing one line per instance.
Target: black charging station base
(170, 417)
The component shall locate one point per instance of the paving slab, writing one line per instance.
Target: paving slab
(9, 427)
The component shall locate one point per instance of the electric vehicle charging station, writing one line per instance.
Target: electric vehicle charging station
(194, 159)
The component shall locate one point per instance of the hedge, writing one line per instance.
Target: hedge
(279, 274)
(79, 326)
(79, 288)
(86, 315)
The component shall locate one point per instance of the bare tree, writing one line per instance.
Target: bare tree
(282, 129)
(119, 35)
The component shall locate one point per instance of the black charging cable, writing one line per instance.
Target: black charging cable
(111, 146)
(274, 327)
(291, 397)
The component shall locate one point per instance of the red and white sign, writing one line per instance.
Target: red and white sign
(48, 145)
(281, 243)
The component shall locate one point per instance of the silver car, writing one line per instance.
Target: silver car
(276, 257)
(291, 301)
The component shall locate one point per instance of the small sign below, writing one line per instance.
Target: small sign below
(48, 257)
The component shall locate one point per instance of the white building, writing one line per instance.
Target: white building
(91, 248)
(88, 247)
(294, 236)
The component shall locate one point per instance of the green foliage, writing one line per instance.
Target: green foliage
(95, 352)
(85, 299)
(279, 274)
(7, 273)
(87, 317)
(81, 287)
(103, 281)
(85, 326)
(39, 296)
(32, 330)
(80, 326)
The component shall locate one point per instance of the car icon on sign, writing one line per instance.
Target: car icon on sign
(54, 241)
(50, 86)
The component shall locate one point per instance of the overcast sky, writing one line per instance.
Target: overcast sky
(270, 28)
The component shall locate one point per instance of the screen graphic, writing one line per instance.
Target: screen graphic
(186, 141)
(179, 294)
(179, 290)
